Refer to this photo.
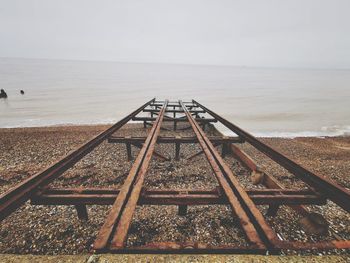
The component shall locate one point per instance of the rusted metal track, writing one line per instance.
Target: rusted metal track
(118, 221)
(113, 234)
(16, 196)
(256, 228)
(175, 139)
(334, 192)
(173, 197)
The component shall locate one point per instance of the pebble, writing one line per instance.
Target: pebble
(57, 230)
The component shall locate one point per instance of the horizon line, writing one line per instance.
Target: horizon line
(176, 63)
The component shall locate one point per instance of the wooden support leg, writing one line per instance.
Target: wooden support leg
(182, 210)
(128, 150)
(82, 212)
(177, 151)
(175, 123)
(144, 124)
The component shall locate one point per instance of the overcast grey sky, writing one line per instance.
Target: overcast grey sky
(272, 33)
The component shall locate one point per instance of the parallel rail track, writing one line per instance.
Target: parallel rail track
(261, 238)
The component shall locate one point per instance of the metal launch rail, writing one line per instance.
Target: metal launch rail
(261, 238)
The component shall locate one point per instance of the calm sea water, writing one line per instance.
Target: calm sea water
(266, 102)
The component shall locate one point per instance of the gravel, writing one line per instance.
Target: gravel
(56, 229)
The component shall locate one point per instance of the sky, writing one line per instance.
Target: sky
(252, 33)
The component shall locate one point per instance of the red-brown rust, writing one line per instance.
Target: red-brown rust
(268, 181)
(121, 213)
(243, 202)
(321, 245)
(234, 193)
(16, 196)
(123, 226)
(334, 192)
(171, 197)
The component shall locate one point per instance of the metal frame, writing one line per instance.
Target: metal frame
(112, 236)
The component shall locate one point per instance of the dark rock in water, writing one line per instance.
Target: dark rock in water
(22, 91)
(3, 94)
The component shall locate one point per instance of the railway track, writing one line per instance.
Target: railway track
(112, 236)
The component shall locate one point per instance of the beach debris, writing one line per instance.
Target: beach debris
(3, 94)
(22, 91)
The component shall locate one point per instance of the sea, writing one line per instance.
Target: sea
(270, 102)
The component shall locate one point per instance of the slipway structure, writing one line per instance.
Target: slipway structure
(112, 236)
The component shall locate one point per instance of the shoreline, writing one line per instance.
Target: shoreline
(56, 230)
(281, 135)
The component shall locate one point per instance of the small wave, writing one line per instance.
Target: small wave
(327, 131)
(331, 131)
(31, 123)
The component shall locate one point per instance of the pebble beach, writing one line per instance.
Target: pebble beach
(57, 230)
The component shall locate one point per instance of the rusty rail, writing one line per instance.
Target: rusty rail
(16, 196)
(334, 192)
(120, 215)
(107, 196)
(113, 234)
(256, 228)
